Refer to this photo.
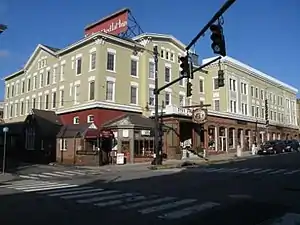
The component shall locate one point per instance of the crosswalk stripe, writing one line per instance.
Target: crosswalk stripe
(250, 171)
(167, 206)
(28, 185)
(39, 175)
(239, 170)
(213, 169)
(54, 174)
(292, 172)
(277, 171)
(75, 192)
(64, 173)
(64, 191)
(119, 202)
(75, 172)
(228, 170)
(263, 171)
(28, 177)
(189, 210)
(51, 187)
(99, 199)
(95, 192)
(146, 203)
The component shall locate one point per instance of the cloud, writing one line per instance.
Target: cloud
(4, 53)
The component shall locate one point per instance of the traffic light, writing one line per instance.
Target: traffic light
(221, 82)
(189, 88)
(266, 112)
(2, 28)
(185, 66)
(218, 39)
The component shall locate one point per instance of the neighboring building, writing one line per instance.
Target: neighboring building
(298, 113)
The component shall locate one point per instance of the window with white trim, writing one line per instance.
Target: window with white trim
(110, 90)
(34, 86)
(253, 110)
(92, 90)
(16, 109)
(167, 74)
(22, 108)
(201, 86)
(90, 118)
(134, 68)
(151, 70)
(18, 87)
(151, 97)
(133, 94)
(217, 105)
(28, 86)
(76, 120)
(27, 106)
(62, 72)
(93, 57)
(12, 90)
(63, 143)
(244, 109)
(40, 102)
(61, 96)
(23, 87)
(54, 74)
(54, 99)
(243, 88)
(47, 101)
(233, 106)
(76, 93)
(110, 64)
(78, 66)
(232, 84)
(11, 110)
(181, 100)
(215, 83)
(167, 98)
(48, 74)
(41, 81)
(33, 103)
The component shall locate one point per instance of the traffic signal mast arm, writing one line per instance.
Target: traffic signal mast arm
(211, 22)
(181, 77)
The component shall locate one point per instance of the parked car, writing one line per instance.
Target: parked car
(271, 147)
(292, 145)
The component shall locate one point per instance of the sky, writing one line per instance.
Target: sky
(263, 34)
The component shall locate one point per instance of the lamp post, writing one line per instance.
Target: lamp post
(5, 130)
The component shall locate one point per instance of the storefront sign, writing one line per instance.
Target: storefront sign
(199, 116)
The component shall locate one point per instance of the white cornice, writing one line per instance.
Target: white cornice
(253, 72)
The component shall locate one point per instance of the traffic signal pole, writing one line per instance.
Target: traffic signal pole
(211, 22)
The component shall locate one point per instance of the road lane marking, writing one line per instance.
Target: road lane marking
(251, 171)
(278, 171)
(99, 199)
(99, 192)
(60, 191)
(75, 192)
(146, 203)
(119, 202)
(263, 171)
(166, 206)
(292, 172)
(189, 210)
(51, 187)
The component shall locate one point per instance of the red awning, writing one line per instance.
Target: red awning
(92, 133)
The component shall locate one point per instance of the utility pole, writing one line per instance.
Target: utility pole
(157, 147)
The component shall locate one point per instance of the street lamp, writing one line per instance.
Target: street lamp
(5, 130)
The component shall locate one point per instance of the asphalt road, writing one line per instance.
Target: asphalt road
(249, 192)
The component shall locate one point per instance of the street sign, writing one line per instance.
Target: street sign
(199, 116)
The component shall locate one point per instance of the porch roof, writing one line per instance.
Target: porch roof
(130, 120)
(86, 130)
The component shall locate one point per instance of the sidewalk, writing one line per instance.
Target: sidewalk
(6, 177)
(171, 163)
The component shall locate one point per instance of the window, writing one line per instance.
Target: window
(27, 106)
(133, 94)
(253, 110)
(151, 96)
(53, 99)
(40, 102)
(34, 82)
(78, 66)
(92, 90)
(167, 98)
(90, 118)
(232, 106)
(167, 55)
(48, 74)
(216, 84)
(76, 120)
(33, 103)
(28, 84)
(61, 95)
(201, 86)
(12, 90)
(181, 100)
(252, 91)
(167, 74)
(110, 90)
(262, 94)
(62, 72)
(162, 53)
(22, 108)
(7, 92)
(23, 87)
(151, 70)
(232, 84)
(76, 93)
(41, 80)
(16, 109)
(243, 88)
(93, 61)
(110, 61)
(17, 88)
(47, 101)
(54, 75)
(133, 70)
(217, 105)
(11, 109)
(172, 57)
(63, 144)
(244, 108)
(257, 112)
(256, 92)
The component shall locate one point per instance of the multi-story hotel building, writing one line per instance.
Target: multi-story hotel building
(103, 76)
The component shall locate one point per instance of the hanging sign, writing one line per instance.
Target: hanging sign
(199, 116)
